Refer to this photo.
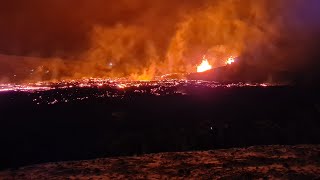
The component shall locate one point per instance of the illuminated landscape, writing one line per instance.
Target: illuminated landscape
(163, 89)
(69, 91)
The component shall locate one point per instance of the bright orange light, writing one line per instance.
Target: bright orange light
(230, 60)
(204, 66)
(121, 86)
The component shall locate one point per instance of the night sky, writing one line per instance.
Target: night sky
(57, 26)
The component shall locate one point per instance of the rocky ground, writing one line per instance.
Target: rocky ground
(285, 162)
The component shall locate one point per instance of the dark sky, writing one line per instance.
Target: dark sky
(61, 26)
(53, 25)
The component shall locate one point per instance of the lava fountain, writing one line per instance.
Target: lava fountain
(230, 60)
(204, 66)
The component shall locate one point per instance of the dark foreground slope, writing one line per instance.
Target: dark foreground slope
(284, 162)
(205, 118)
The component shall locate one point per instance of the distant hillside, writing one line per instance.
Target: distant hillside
(242, 72)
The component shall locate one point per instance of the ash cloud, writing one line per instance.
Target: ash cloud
(141, 39)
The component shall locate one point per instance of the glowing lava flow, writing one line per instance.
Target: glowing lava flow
(204, 66)
(95, 88)
(230, 60)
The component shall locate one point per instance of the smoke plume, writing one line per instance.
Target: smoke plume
(141, 39)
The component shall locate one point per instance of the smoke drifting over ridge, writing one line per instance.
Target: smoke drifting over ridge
(140, 39)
